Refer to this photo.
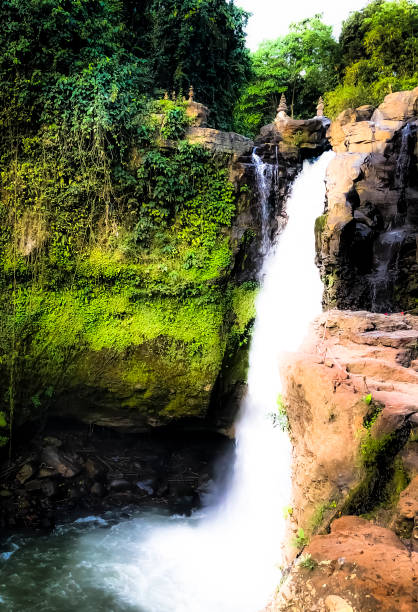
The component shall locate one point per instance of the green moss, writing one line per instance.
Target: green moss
(324, 511)
(243, 305)
(320, 223)
(383, 476)
(116, 278)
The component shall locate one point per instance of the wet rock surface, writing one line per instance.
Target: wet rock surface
(367, 238)
(70, 469)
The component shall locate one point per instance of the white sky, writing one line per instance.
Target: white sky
(271, 18)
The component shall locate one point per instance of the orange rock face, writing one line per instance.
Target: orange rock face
(348, 358)
(353, 388)
(359, 566)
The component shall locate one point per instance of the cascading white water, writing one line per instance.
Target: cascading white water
(224, 559)
(265, 174)
(228, 562)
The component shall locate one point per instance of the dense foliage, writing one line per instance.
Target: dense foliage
(114, 230)
(379, 51)
(376, 54)
(56, 52)
(303, 64)
(200, 42)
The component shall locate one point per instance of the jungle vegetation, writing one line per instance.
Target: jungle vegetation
(114, 230)
(376, 54)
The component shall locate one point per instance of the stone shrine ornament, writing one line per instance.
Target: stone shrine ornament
(191, 94)
(281, 109)
(320, 108)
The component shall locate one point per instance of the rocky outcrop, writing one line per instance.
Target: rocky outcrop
(367, 238)
(198, 113)
(228, 143)
(352, 397)
(294, 139)
(358, 567)
(352, 404)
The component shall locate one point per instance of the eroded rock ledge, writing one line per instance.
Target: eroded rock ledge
(352, 402)
(358, 567)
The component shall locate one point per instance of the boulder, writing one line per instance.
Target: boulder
(93, 468)
(97, 489)
(398, 106)
(25, 472)
(360, 567)
(119, 484)
(220, 142)
(296, 138)
(48, 488)
(54, 459)
(198, 114)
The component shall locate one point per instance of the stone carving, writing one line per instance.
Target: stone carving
(320, 108)
(173, 95)
(281, 109)
(191, 94)
(166, 95)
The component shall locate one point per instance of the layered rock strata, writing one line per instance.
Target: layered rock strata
(352, 403)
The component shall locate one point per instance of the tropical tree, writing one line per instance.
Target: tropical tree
(303, 64)
(200, 43)
(379, 51)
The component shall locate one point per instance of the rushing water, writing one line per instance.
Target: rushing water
(265, 176)
(226, 558)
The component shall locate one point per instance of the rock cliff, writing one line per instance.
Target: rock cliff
(352, 404)
(367, 238)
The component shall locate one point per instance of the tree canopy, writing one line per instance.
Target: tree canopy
(55, 51)
(303, 64)
(379, 51)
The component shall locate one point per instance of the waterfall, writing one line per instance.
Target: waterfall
(265, 175)
(224, 558)
(386, 252)
(228, 561)
(404, 159)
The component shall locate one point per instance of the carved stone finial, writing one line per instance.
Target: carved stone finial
(282, 108)
(320, 108)
(166, 95)
(191, 94)
(173, 95)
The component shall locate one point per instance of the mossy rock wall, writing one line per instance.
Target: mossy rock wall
(125, 290)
